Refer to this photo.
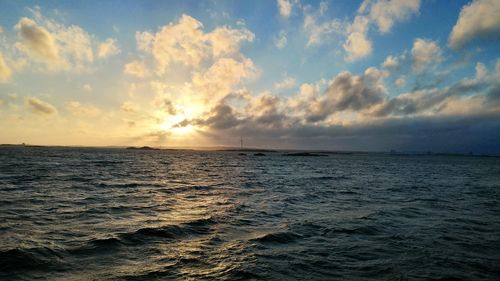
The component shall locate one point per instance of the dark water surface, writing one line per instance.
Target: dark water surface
(115, 214)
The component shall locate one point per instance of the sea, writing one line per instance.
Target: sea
(122, 214)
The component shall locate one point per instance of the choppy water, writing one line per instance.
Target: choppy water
(115, 214)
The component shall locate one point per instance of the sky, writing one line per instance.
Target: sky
(373, 75)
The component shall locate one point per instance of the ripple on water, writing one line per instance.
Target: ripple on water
(112, 214)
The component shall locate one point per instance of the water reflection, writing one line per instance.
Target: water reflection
(135, 215)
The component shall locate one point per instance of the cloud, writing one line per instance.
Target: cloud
(481, 71)
(159, 137)
(285, 7)
(351, 92)
(266, 111)
(432, 101)
(40, 107)
(186, 43)
(56, 46)
(220, 117)
(357, 112)
(129, 107)
(108, 48)
(5, 71)
(281, 40)
(386, 13)
(383, 13)
(478, 20)
(222, 77)
(87, 88)
(318, 31)
(306, 96)
(357, 46)
(348, 92)
(226, 41)
(287, 83)
(136, 68)
(82, 110)
(323, 7)
(37, 42)
(400, 82)
(425, 52)
(166, 106)
(391, 63)
(208, 67)
(478, 133)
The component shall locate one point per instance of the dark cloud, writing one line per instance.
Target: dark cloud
(494, 94)
(166, 106)
(220, 117)
(479, 134)
(267, 111)
(349, 92)
(462, 117)
(423, 100)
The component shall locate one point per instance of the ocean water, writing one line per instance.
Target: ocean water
(116, 214)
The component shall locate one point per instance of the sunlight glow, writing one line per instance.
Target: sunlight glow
(170, 123)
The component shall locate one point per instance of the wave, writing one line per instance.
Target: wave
(278, 237)
(103, 163)
(341, 177)
(129, 184)
(362, 230)
(97, 246)
(196, 227)
(42, 258)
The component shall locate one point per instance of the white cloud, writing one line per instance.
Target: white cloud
(304, 98)
(37, 42)
(130, 107)
(87, 88)
(222, 77)
(391, 63)
(481, 71)
(287, 83)
(136, 68)
(82, 110)
(323, 7)
(386, 13)
(357, 46)
(281, 40)
(56, 46)
(285, 8)
(40, 107)
(400, 82)
(186, 43)
(425, 52)
(5, 71)
(318, 31)
(383, 13)
(478, 20)
(226, 41)
(108, 48)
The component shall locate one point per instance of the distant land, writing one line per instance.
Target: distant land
(287, 152)
(143, 148)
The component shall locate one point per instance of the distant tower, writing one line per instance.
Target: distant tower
(241, 142)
